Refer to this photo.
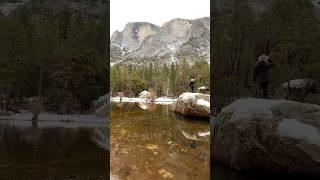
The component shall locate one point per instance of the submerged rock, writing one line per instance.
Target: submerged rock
(192, 104)
(274, 135)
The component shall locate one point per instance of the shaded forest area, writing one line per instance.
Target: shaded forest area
(288, 31)
(165, 80)
(58, 55)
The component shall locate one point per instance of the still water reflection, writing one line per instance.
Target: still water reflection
(53, 149)
(150, 142)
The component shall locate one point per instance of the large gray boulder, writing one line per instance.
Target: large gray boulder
(192, 104)
(274, 135)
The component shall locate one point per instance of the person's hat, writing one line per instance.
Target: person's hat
(192, 80)
(263, 57)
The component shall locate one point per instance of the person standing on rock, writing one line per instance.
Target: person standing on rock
(191, 85)
(261, 73)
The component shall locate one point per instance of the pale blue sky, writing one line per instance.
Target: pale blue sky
(155, 11)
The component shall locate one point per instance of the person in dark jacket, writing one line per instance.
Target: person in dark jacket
(261, 74)
(191, 85)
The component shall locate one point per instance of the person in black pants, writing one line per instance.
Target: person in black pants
(191, 85)
(261, 74)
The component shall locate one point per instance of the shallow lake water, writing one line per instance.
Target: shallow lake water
(149, 141)
(54, 149)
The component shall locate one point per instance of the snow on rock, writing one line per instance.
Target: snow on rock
(295, 129)
(203, 88)
(250, 108)
(298, 83)
(282, 136)
(192, 104)
(203, 103)
(187, 97)
(144, 94)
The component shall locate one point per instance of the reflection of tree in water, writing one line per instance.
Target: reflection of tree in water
(35, 138)
(1, 132)
(101, 137)
(39, 153)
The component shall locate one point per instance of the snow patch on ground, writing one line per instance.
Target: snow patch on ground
(164, 100)
(126, 99)
(53, 117)
(295, 129)
(160, 100)
(47, 120)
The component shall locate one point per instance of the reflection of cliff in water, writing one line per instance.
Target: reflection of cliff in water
(52, 152)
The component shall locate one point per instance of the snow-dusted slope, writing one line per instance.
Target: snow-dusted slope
(94, 8)
(258, 6)
(176, 39)
(7, 7)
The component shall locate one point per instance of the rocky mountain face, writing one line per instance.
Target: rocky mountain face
(7, 6)
(142, 42)
(95, 8)
(258, 6)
